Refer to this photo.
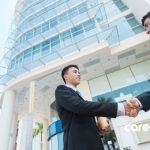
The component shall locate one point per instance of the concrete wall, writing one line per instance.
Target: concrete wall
(138, 7)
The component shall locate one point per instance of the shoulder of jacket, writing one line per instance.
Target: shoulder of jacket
(60, 87)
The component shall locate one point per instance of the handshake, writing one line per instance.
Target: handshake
(132, 107)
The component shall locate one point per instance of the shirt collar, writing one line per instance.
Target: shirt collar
(72, 87)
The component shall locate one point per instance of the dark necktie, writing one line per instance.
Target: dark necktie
(78, 93)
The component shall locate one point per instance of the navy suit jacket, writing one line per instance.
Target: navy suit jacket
(77, 117)
(144, 98)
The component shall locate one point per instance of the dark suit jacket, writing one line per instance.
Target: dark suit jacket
(144, 98)
(77, 117)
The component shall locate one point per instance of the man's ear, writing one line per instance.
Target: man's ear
(65, 77)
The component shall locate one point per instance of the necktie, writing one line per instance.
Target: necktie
(78, 92)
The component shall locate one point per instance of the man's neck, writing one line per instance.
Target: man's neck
(71, 85)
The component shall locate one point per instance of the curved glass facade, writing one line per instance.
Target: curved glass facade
(55, 133)
(47, 31)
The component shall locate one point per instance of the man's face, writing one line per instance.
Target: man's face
(147, 25)
(72, 76)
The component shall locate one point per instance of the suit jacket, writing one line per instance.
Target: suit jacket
(77, 117)
(144, 98)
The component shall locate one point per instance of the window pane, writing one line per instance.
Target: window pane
(45, 50)
(89, 25)
(36, 54)
(36, 47)
(63, 17)
(53, 22)
(82, 8)
(54, 41)
(45, 27)
(77, 30)
(37, 30)
(73, 12)
(66, 35)
(29, 34)
(133, 22)
(45, 43)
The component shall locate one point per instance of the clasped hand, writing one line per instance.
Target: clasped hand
(132, 107)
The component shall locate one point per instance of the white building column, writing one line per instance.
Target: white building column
(6, 119)
(13, 134)
(27, 122)
(45, 135)
(25, 142)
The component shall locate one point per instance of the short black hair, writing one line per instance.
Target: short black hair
(65, 69)
(145, 17)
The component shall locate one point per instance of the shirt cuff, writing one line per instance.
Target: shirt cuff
(121, 110)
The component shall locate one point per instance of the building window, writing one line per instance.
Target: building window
(45, 47)
(45, 26)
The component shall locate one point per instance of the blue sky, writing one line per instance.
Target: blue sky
(6, 15)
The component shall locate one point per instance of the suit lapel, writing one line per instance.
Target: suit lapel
(75, 92)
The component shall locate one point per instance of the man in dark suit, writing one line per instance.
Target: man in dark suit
(77, 115)
(142, 102)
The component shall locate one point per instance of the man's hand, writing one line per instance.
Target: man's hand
(103, 125)
(131, 108)
(134, 103)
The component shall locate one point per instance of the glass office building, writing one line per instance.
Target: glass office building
(104, 38)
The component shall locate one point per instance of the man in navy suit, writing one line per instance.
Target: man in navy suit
(77, 115)
(143, 101)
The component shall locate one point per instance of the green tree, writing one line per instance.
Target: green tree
(38, 130)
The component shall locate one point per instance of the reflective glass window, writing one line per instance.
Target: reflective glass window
(66, 38)
(19, 60)
(45, 26)
(132, 22)
(53, 22)
(45, 47)
(73, 12)
(54, 41)
(83, 8)
(36, 52)
(63, 17)
(12, 64)
(37, 30)
(89, 25)
(66, 35)
(27, 56)
(29, 34)
(77, 30)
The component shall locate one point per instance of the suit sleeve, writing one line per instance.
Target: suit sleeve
(144, 98)
(73, 103)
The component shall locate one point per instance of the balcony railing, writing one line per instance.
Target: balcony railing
(27, 65)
